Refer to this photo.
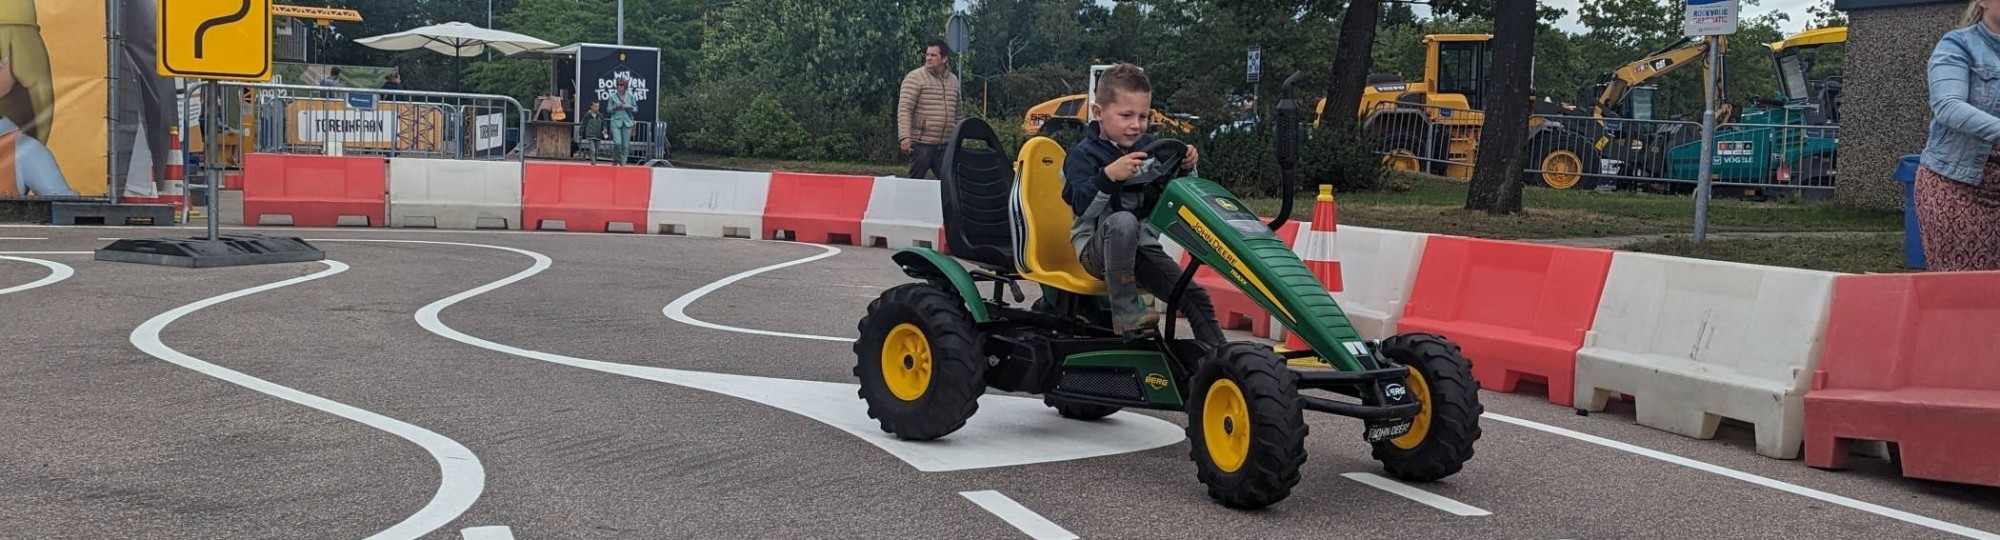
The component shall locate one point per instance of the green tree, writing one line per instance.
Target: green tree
(1823, 15)
(836, 63)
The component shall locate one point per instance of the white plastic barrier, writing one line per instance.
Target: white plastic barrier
(1694, 341)
(454, 194)
(903, 213)
(708, 203)
(1378, 267)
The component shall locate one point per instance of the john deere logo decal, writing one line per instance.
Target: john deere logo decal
(1157, 381)
(1225, 204)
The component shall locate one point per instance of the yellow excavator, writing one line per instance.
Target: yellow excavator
(1638, 152)
(1433, 125)
(1072, 112)
(1430, 125)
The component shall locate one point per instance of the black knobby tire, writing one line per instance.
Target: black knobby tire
(957, 375)
(1444, 443)
(1275, 450)
(1388, 142)
(1546, 144)
(1080, 411)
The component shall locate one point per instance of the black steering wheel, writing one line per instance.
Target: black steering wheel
(1163, 163)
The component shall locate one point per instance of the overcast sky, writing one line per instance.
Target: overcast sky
(1796, 8)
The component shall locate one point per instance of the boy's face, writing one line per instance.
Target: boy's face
(1124, 119)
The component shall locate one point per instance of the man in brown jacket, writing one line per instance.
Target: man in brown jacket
(927, 110)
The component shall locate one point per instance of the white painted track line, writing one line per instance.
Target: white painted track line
(1907, 517)
(57, 273)
(1013, 430)
(11, 238)
(677, 310)
(496, 532)
(1432, 499)
(1020, 517)
(48, 253)
(1803, 491)
(462, 477)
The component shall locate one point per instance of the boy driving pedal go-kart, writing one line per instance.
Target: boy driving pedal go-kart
(1112, 243)
(930, 349)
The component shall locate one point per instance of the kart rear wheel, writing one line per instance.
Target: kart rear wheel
(1441, 439)
(1245, 428)
(918, 360)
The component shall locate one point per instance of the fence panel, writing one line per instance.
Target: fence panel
(1580, 152)
(339, 121)
(1425, 138)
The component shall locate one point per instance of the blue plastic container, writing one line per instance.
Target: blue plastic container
(1913, 235)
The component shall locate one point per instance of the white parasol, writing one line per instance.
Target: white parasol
(456, 39)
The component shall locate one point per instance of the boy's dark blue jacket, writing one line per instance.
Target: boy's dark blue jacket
(1083, 167)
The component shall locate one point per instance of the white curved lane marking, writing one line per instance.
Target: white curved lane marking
(1008, 430)
(57, 273)
(461, 477)
(677, 310)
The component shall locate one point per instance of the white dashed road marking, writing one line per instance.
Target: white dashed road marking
(1020, 517)
(1404, 490)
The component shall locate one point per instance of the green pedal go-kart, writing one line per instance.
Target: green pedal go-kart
(928, 350)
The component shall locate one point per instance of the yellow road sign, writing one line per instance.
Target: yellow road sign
(215, 39)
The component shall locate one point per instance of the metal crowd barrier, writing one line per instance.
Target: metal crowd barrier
(1579, 152)
(296, 119)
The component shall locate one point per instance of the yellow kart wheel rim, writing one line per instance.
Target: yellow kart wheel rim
(1562, 169)
(1225, 418)
(1420, 426)
(1401, 160)
(906, 362)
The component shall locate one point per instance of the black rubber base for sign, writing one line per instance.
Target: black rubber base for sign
(225, 250)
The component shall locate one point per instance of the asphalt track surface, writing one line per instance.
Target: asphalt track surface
(523, 385)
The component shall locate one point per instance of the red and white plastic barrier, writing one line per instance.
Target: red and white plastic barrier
(714, 204)
(1695, 341)
(454, 194)
(903, 213)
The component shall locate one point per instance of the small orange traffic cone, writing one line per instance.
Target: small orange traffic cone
(1320, 248)
(175, 192)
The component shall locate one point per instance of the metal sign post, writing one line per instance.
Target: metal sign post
(211, 171)
(1707, 148)
(1708, 19)
(213, 40)
(958, 36)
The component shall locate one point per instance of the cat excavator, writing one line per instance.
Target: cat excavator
(1433, 125)
(1639, 152)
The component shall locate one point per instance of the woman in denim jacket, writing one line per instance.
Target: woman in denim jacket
(1958, 182)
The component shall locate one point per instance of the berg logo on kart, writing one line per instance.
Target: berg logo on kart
(1157, 381)
(1396, 391)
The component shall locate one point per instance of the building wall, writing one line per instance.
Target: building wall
(1885, 111)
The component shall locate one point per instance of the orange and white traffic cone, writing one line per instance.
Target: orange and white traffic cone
(1320, 248)
(175, 192)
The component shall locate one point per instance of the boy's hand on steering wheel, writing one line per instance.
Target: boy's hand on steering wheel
(1125, 167)
(1193, 157)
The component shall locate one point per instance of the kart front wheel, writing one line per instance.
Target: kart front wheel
(918, 360)
(1245, 426)
(1440, 439)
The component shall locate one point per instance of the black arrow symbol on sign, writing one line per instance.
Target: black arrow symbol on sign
(202, 30)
